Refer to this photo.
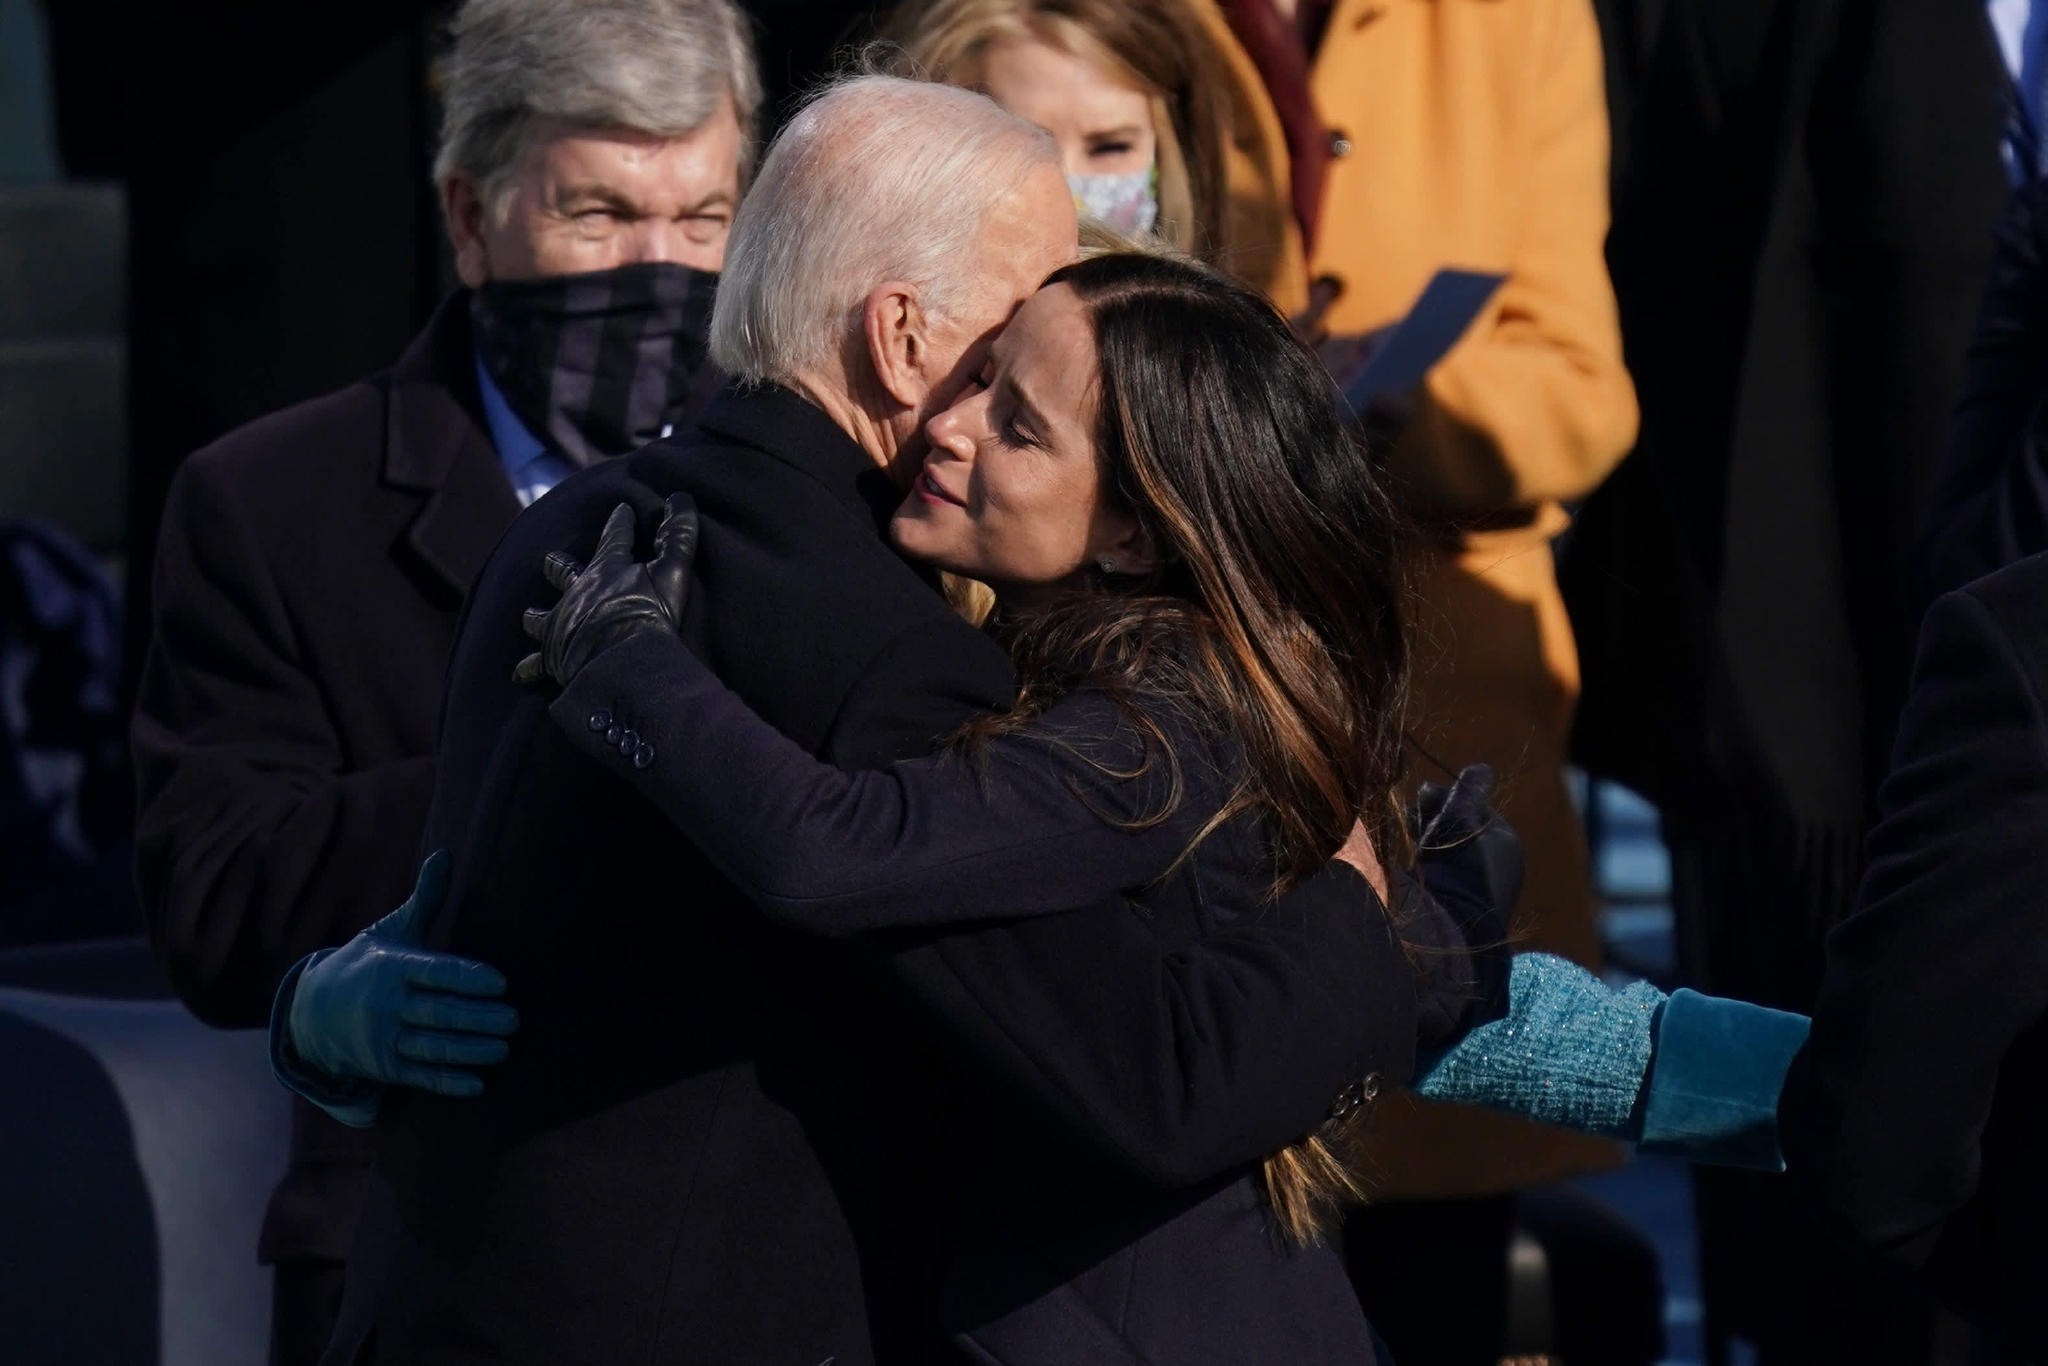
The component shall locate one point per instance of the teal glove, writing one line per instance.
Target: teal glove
(383, 1011)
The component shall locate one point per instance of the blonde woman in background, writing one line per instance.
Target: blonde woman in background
(1127, 88)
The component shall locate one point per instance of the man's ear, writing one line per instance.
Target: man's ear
(897, 330)
(463, 209)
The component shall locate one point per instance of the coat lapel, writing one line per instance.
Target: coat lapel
(437, 443)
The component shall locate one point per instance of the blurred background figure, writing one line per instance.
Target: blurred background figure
(1802, 228)
(312, 565)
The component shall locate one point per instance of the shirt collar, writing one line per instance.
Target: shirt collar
(517, 446)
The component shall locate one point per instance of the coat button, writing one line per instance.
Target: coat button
(600, 720)
(613, 732)
(1348, 1099)
(1369, 1089)
(1340, 143)
(628, 742)
(643, 757)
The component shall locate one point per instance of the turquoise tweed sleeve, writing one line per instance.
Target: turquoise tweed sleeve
(1570, 1051)
(1688, 1075)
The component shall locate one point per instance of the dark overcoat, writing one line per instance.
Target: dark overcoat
(1917, 1114)
(717, 1141)
(308, 584)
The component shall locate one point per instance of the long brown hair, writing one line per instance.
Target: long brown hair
(1156, 44)
(1275, 616)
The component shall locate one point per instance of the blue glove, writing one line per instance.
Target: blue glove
(383, 1011)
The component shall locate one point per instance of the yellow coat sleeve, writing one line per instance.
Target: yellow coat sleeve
(1535, 404)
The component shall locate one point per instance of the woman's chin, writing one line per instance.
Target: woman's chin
(913, 533)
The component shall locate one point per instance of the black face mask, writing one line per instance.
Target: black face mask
(599, 364)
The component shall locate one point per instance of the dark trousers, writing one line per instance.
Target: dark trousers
(305, 1299)
(1433, 1277)
(1754, 898)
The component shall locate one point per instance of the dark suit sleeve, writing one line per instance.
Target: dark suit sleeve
(254, 845)
(1074, 808)
(1944, 961)
(1169, 1066)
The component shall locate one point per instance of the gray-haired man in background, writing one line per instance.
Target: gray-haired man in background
(313, 563)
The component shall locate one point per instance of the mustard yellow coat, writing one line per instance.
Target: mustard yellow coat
(1474, 135)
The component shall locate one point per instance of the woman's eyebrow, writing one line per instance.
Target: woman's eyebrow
(1033, 418)
(1128, 130)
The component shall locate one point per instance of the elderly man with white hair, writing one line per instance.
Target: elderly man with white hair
(718, 1141)
(313, 564)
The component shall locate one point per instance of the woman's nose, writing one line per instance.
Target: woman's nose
(951, 432)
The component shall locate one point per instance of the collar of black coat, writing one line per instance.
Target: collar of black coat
(437, 442)
(783, 424)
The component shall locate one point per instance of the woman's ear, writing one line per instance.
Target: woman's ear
(1130, 547)
(894, 322)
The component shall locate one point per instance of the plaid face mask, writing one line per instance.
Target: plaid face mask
(1129, 203)
(600, 363)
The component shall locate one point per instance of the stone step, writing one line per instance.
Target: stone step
(64, 435)
(63, 261)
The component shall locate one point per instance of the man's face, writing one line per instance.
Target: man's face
(584, 199)
(1026, 238)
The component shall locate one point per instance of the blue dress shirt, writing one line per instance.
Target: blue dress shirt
(529, 464)
(2021, 28)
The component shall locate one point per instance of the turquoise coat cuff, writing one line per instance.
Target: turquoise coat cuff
(1714, 1081)
(354, 1102)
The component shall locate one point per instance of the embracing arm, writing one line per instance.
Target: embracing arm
(1170, 1065)
(1034, 826)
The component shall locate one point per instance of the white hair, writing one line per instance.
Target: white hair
(877, 179)
(662, 67)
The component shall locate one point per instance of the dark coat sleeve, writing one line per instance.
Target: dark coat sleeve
(1944, 961)
(1074, 808)
(1168, 1065)
(254, 846)
(1989, 506)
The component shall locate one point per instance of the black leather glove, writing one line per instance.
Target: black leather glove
(616, 597)
(1460, 829)
(1469, 864)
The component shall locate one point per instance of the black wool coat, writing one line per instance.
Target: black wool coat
(1917, 1114)
(308, 583)
(1989, 507)
(717, 1141)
